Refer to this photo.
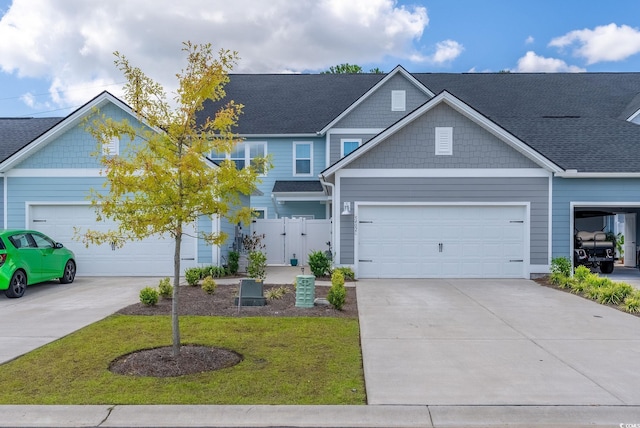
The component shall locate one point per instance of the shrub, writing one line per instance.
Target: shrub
(319, 263)
(582, 273)
(561, 265)
(216, 271)
(257, 267)
(614, 293)
(165, 289)
(631, 303)
(234, 262)
(192, 275)
(346, 271)
(276, 293)
(337, 295)
(149, 296)
(209, 285)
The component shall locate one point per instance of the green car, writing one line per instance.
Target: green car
(28, 257)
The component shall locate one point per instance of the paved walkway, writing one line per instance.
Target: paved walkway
(441, 353)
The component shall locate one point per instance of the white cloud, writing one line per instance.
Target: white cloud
(70, 43)
(529, 40)
(532, 63)
(604, 43)
(447, 51)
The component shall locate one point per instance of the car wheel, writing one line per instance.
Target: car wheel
(606, 267)
(69, 273)
(17, 285)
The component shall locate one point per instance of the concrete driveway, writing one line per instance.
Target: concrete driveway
(51, 310)
(494, 342)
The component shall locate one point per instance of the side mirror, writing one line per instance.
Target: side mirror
(59, 245)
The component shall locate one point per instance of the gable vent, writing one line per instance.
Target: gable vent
(112, 148)
(398, 100)
(444, 141)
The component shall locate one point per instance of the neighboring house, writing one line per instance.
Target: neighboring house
(46, 171)
(446, 175)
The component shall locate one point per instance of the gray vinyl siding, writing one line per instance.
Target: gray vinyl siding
(413, 146)
(420, 189)
(375, 110)
(335, 147)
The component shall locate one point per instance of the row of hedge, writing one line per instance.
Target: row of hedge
(592, 286)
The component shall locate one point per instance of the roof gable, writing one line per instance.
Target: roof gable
(445, 98)
(396, 73)
(16, 133)
(62, 125)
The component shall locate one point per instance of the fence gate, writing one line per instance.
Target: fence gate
(285, 237)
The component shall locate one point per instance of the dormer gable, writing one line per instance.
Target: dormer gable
(391, 98)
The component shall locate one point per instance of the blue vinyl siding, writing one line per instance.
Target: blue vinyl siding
(589, 190)
(73, 148)
(281, 152)
(41, 189)
(205, 251)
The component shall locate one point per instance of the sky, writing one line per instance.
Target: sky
(55, 55)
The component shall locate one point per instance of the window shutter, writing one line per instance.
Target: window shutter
(444, 141)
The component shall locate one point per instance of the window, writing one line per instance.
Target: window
(243, 154)
(444, 141)
(42, 241)
(259, 213)
(112, 148)
(398, 100)
(348, 145)
(302, 158)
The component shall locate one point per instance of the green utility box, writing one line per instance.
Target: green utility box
(305, 291)
(251, 293)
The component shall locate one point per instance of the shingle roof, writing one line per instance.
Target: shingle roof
(575, 119)
(15, 133)
(286, 186)
(291, 103)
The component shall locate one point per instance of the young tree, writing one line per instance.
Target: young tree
(163, 181)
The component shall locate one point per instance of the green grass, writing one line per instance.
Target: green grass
(286, 361)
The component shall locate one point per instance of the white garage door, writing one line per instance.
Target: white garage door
(441, 241)
(149, 257)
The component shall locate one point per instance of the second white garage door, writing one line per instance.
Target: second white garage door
(441, 241)
(149, 257)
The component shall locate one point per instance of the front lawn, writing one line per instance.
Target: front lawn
(285, 361)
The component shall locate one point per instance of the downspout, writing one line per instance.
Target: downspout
(4, 200)
(333, 219)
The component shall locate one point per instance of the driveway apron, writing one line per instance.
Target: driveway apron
(494, 342)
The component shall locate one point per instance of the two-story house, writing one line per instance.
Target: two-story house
(446, 175)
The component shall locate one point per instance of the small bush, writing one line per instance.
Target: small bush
(234, 262)
(165, 289)
(631, 303)
(216, 271)
(149, 296)
(257, 267)
(192, 275)
(209, 285)
(561, 265)
(582, 273)
(276, 293)
(346, 271)
(319, 263)
(614, 293)
(337, 295)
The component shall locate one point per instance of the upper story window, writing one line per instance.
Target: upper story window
(444, 141)
(302, 158)
(112, 148)
(398, 100)
(243, 154)
(347, 145)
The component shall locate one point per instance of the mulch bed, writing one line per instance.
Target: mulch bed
(159, 362)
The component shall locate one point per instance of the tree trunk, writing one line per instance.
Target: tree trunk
(175, 322)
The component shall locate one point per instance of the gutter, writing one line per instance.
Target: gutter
(573, 173)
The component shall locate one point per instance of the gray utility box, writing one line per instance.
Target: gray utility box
(251, 293)
(305, 291)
